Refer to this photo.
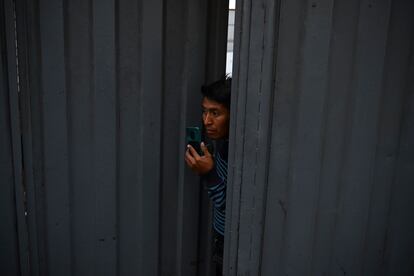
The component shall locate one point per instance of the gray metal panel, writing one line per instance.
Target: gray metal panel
(32, 134)
(55, 138)
(9, 252)
(175, 22)
(130, 235)
(334, 196)
(335, 134)
(195, 61)
(356, 179)
(14, 240)
(151, 125)
(80, 83)
(217, 28)
(107, 90)
(104, 136)
(392, 176)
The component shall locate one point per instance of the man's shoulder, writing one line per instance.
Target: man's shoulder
(222, 148)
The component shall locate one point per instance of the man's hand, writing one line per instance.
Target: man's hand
(199, 164)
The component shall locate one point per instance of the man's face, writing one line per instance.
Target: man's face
(216, 118)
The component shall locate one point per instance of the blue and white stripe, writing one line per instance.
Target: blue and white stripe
(217, 194)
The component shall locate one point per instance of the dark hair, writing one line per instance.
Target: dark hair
(218, 91)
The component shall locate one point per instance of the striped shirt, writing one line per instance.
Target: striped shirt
(216, 186)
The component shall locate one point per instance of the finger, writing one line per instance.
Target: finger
(190, 158)
(188, 162)
(204, 149)
(193, 152)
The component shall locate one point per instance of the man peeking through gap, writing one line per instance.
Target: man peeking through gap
(212, 166)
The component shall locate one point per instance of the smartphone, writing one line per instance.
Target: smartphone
(193, 137)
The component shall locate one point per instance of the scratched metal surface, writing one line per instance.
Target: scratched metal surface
(107, 89)
(322, 140)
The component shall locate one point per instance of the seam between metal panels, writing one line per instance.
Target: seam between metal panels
(35, 247)
(69, 129)
(181, 173)
(243, 120)
(93, 115)
(139, 131)
(257, 138)
(117, 137)
(275, 22)
(230, 260)
(378, 127)
(350, 106)
(293, 132)
(272, 98)
(24, 103)
(11, 79)
(325, 112)
(162, 135)
(257, 153)
(232, 256)
(40, 189)
(161, 141)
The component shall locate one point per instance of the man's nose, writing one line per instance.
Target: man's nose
(207, 119)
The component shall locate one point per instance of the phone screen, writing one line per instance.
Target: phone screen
(193, 137)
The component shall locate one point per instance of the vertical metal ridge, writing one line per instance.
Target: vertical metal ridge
(10, 71)
(93, 128)
(117, 138)
(296, 75)
(375, 153)
(151, 92)
(323, 136)
(245, 257)
(233, 194)
(69, 129)
(92, 92)
(105, 139)
(140, 133)
(21, 35)
(192, 76)
(130, 143)
(162, 135)
(262, 110)
(243, 19)
(36, 201)
(274, 39)
(344, 156)
(55, 138)
(181, 174)
(161, 140)
(19, 166)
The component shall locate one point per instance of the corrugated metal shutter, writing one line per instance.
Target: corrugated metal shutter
(107, 90)
(322, 139)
